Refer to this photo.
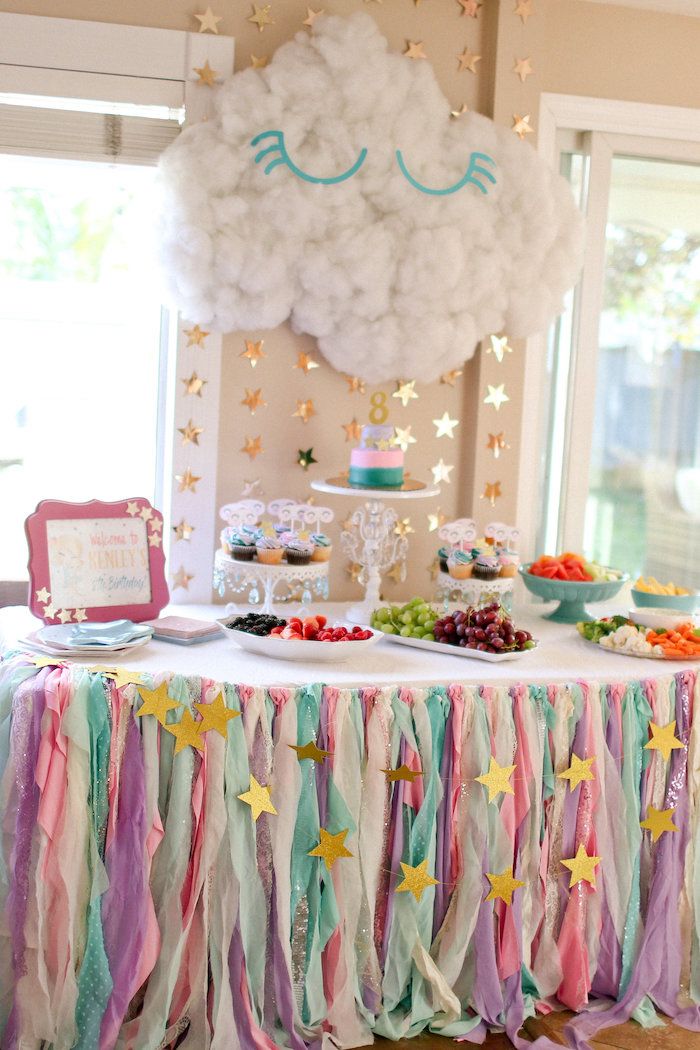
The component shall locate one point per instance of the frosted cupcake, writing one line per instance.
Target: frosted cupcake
(269, 550)
(443, 555)
(286, 536)
(508, 561)
(241, 547)
(322, 547)
(459, 564)
(299, 552)
(486, 567)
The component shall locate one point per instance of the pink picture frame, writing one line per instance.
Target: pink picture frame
(96, 561)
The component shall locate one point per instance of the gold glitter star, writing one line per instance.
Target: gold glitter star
(258, 798)
(402, 772)
(146, 513)
(65, 615)
(658, 821)
(216, 716)
(469, 7)
(154, 540)
(49, 611)
(449, 378)
(455, 114)
(208, 21)
(663, 739)
(523, 69)
(311, 16)
(414, 49)
(261, 17)
(496, 396)
(190, 433)
(468, 60)
(523, 8)
(441, 472)
(582, 867)
(433, 569)
(492, 492)
(253, 399)
(397, 572)
(156, 702)
(405, 392)
(403, 527)
(253, 446)
(416, 880)
(499, 347)
(183, 531)
(521, 126)
(580, 769)
(46, 661)
(355, 385)
(194, 385)
(80, 615)
(436, 520)
(353, 430)
(195, 336)
(497, 779)
(305, 410)
(331, 847)
(187, 733)
(445, 426)
(497, 443)
(316, 754)
(403, 438)
(206, 74)
(253, 351)
(258, 63)
(188, 481)
(121, 677)
(305, 458)
(182, 579)
(305, 362)
(503, 886)
(132, 508)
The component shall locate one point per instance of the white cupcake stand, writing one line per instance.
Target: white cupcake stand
(371, 542)
(462, 534)
(259, 581)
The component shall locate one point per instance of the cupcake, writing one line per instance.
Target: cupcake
(299, 552)
(251, 532)
(459, 564)
(269, 550)
(322, 547)
(241, 547)
(486, 567)
(443, 555)
(280, 527)
(286, 536)
(508, 561)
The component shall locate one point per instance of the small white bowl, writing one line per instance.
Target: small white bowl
(655, 618)
(291, 649)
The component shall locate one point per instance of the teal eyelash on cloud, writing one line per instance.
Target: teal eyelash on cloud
(278, 152)
(474, 173)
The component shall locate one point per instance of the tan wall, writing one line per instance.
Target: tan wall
(575, 47)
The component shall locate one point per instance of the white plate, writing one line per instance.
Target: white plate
(457, 650)
(656, 618)
(290, 649)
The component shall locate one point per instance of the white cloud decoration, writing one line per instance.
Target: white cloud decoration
(396, 236)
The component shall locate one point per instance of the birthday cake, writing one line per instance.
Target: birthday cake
(376, 463)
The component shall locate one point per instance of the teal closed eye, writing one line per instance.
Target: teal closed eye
(475, 172)
(278, 152)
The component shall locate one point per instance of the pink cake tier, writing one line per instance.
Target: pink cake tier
(376, 468)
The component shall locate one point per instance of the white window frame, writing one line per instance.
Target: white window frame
(667, 132)
(131, 64)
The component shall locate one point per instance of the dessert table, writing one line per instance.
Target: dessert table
(404, 842)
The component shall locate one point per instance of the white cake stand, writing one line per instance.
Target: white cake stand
(373, 543)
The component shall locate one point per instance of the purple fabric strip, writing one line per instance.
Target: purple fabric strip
(322, 769)
(443, 890)
(395, 853)
(488, 997)
(236, 973)
(606, 980)
(282, 979)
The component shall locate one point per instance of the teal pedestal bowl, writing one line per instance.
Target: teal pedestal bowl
(572, 597)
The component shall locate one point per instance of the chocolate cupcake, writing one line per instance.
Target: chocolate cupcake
(486, 567)
(299, 552)
(241, 547)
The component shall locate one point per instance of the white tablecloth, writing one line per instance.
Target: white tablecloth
(562, 656)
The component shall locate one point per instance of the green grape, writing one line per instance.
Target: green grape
(428, 636)
(407, 617)
(416, 632)
(382, 615)
(415, 601)
(387, 628)
(429, 625)
(405, 632)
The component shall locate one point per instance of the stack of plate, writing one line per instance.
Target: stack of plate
(87, 639)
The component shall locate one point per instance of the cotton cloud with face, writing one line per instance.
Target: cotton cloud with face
(396, 236)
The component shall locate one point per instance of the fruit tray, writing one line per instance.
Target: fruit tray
(456, 650)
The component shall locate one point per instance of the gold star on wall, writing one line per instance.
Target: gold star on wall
(316, 754)
(582, 867)
(456, 114)
(182, 579)
(469, 7)
(403, 527)
(190, 433)
(468, 60)
(353, 570)
(521, 126)
(252, 489)
(449, 378)
(261, 17)
(403, 438)
(433, 569)
(355, 385)
(195, 335)
(194, 385)
(253, 447)
(397, 572)
(523, 69)
(253, 399)
(253, 351)
(523, 8)
(580, 769)
(305, 362)
(305, 410)
(311, 16)
(492, 492)
(353, 430)
(663, 739)
(216, 716)
(416, 879)
(658, 821)
(414, 49)
(154, 540)
(445, 426)
(187, 482)
(43, 595)
(305, 458)
(258, 798)
(331, 847)
(156, 702)
(183, 531)
(209, 22)
(402, 773)
(405, 392)
(496, 396)
(258, 63)
(499, 347)
(497, 443)
(503, 886)
(497, 779)
(441, 472)
(206, 74)
(187, 733)
(436, 520)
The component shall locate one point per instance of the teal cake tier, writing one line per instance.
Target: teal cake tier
(376, 477)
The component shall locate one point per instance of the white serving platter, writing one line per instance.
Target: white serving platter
(456, 650)
(304, 651)
(643, 656)
(650, 616)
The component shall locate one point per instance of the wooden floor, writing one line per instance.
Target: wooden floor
(625, 1037)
